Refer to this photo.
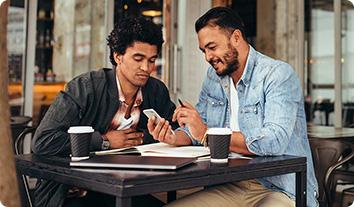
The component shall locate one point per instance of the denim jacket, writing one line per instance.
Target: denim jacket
(271, 115)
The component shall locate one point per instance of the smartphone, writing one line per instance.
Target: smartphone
(150, 113)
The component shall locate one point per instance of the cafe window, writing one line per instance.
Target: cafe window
(347, 61)
(44, 48)
(69, 39)
(321, 67)
(16, 29)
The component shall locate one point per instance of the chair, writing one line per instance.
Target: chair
(327, 157)
(23, 182)
(348, 197)
(18, 124)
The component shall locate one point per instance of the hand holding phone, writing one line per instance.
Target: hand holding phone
(160, 131)
(150, 113)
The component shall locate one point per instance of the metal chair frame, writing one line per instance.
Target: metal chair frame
(325, 178)
(19, 150)
(330, 183)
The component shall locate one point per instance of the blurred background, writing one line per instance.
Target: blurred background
(52, 41)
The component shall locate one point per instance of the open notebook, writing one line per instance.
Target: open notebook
(160, 150)
(134, 162)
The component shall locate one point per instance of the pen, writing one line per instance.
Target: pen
(180, 102)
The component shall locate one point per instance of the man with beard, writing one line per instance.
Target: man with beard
(111, 101)
(260, 99)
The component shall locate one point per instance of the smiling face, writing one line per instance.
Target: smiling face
(216, 45)
(135, 66)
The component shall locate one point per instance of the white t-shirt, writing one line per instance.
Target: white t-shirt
(234, 105)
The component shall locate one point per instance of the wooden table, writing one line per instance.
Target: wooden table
(328, 132)
(125, 184)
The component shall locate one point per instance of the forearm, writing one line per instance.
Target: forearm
(51, 137)
(51, 144)
(238, 144)
(272, 139)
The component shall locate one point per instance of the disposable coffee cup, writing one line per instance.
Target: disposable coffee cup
(219, 144)
(80, 139)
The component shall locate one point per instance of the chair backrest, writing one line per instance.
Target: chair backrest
(26, 199)
(18, 124)
(327, 156)
(20, 139)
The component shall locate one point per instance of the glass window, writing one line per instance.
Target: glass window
(348, 63)
(71, 40)
(320, 68)
(320, 65)
(16, 50)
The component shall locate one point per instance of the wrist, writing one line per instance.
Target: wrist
(175, 138)
(104, 137)
(203, 133)
(203, 140)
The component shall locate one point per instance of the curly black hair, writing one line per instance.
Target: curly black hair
(130, 30)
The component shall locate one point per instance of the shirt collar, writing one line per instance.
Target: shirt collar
(138, 99)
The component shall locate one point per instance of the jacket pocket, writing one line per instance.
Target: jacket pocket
(252, 115)
(215, 111)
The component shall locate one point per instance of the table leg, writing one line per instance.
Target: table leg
(123, 202)
(301, 181)
(171, 196)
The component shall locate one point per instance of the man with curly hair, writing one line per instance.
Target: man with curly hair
(111, 101)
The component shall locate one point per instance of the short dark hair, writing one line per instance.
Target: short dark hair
(130, 30)
(223, 17)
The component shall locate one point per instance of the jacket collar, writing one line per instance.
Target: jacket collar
(113, 88)
(112, 83)
(251, 61)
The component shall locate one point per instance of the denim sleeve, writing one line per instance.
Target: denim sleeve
(201, 108)
(202, 102)
(282, 101)
(186, 130)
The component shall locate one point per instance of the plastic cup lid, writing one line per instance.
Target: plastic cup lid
(80, 129)
(219, 131)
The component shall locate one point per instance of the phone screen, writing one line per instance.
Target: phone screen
(150, 113)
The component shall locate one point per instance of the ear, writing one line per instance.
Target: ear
(236, 38)
(117, 58)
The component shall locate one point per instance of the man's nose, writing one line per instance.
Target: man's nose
(145, 66)
(208, 56)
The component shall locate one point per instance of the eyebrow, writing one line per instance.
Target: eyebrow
(139, 55)
(142, 55)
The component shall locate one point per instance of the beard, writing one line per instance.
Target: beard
(232, 63)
